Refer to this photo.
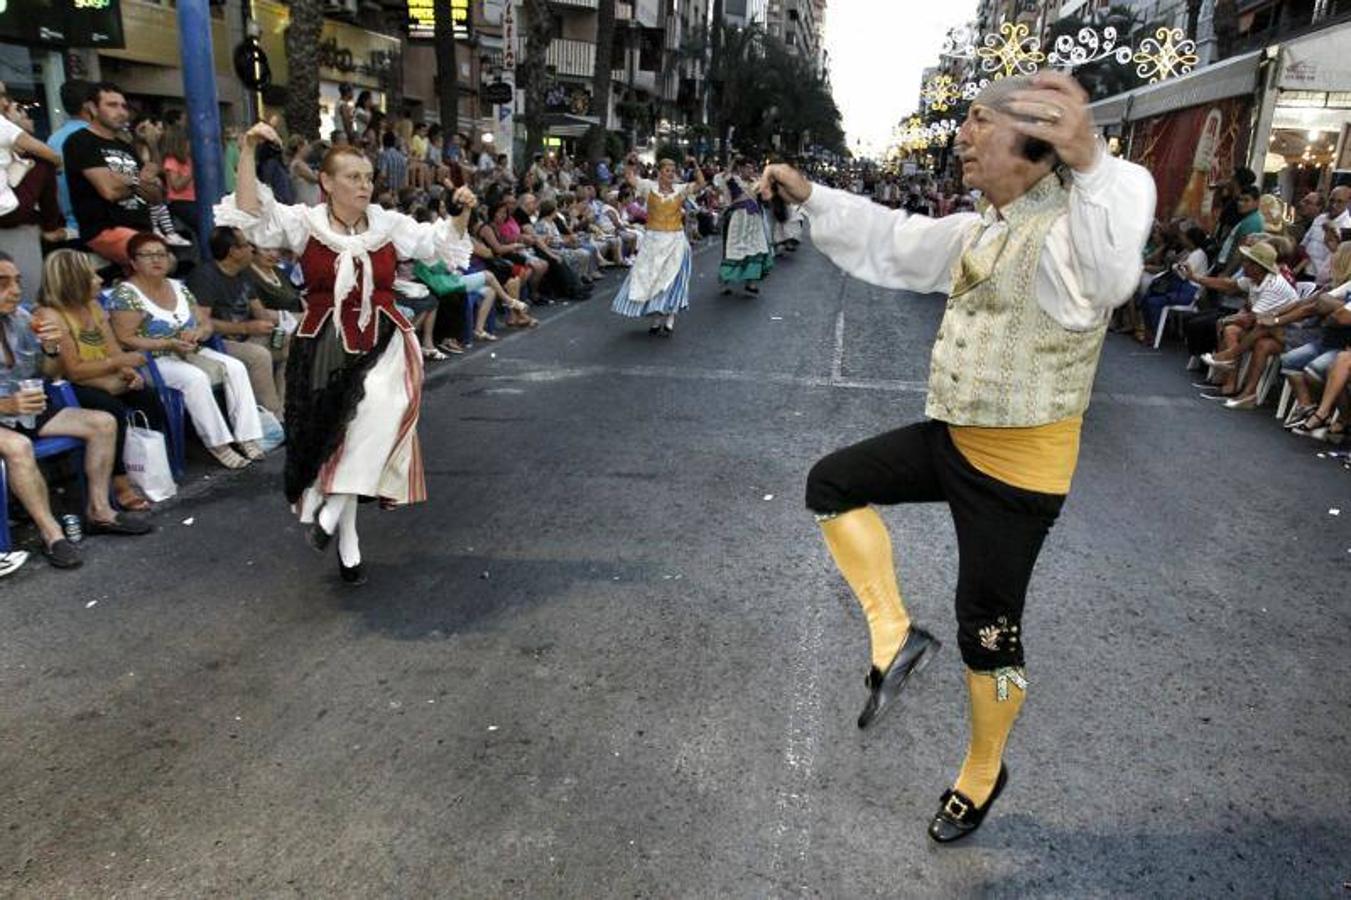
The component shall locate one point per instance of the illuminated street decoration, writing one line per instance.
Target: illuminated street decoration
(1165, 55)
(1088, 46)
(1012, 52)
(1168, 53)
(941, 93)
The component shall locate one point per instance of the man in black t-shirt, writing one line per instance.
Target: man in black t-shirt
(110, 191)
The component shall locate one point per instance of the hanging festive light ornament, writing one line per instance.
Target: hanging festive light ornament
(1088, 46)
(1165, 55)
(1011, 52)
(941, 93)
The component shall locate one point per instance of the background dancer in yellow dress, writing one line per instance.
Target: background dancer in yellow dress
(658, 285)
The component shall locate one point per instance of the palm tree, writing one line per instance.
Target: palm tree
(601, 78)
(539, 31)
(447, 82)
(302, 53)
(714, 74)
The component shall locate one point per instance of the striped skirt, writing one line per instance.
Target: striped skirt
(659, 282)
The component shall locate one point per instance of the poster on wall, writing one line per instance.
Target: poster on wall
(1191, 151)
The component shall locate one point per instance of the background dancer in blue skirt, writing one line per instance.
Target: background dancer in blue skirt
(659, 282)
(746, 254)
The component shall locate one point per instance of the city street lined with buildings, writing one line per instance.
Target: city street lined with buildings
(589, 448)
(610, 658)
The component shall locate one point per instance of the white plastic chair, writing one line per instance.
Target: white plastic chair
(1179, 309)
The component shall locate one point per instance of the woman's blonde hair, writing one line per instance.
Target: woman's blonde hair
(1341, 265)
(1273, 212)
(66, 276)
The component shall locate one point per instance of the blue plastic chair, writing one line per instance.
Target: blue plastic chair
(59, 396)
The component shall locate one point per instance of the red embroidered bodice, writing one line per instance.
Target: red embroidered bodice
(319, 262)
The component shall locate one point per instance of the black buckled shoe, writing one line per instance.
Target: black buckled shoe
(317, 537)
(353, 575)
(957, 816)
(884, 687)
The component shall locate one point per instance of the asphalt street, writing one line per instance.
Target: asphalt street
(611, 657)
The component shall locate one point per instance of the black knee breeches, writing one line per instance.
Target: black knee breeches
(1000, 528)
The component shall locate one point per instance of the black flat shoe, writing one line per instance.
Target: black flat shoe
(884, 687)
(655, 329)
(957, 816)
(318, 538)
(667, 331)
(353, 575)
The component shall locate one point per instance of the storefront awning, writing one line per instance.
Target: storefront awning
(1231, 78)
(1111, 111)
(1318, 62)
(568, 125)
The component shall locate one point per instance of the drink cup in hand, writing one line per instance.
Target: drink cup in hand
(32, 398)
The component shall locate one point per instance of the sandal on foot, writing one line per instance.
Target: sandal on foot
(134, 501)
(62, 554)
(123, 525)
(485, 336)
(253, 450)
(226, 456)
(432, 353)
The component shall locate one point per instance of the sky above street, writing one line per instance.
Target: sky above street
(878, 48)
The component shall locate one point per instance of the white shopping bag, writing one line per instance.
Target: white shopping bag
(147, 460)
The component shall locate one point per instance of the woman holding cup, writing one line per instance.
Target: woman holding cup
(102, 375)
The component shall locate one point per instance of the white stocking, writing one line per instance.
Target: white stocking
(334, 506)
(349, 550)
(310, 502)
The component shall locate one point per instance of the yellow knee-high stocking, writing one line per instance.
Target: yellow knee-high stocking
(861, 546)
(991, 721)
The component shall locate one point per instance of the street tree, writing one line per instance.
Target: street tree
(601, 79)
(447, 80)
(539, 32)
(302, 57)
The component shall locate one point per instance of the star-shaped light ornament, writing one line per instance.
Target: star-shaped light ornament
(941, 94)
(1167, 54)
(1011, 52)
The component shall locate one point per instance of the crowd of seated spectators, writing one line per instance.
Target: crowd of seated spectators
(123, 300)
(1264, 300)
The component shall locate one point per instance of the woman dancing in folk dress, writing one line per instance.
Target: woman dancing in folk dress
(746, 253)
(659, 282)
(354, 376)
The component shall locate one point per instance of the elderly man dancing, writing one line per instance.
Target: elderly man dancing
(1031, 283)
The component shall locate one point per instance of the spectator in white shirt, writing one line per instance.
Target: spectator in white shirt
(1269, 294)
(1315, 239)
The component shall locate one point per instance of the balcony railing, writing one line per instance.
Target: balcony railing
(576, 58)
(643, 79)
(581, 4)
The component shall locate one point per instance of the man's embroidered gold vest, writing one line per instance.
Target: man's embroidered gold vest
(999, 360)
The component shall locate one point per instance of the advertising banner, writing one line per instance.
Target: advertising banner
(1191, 150)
